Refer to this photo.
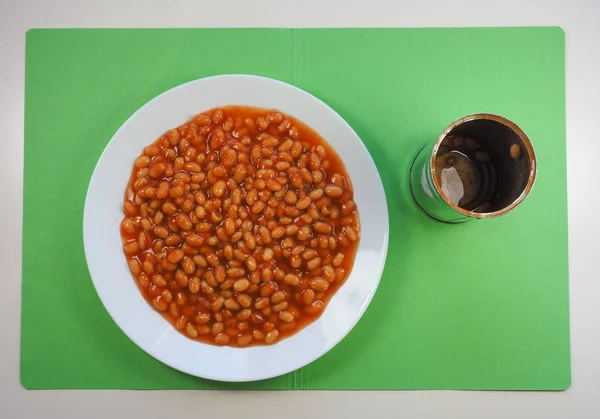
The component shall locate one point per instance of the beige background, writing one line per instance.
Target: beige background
(581, 21)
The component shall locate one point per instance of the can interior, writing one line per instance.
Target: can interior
(507, 175)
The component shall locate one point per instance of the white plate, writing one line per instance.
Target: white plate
(108, 267)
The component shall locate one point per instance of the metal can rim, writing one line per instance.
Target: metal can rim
(528, 147)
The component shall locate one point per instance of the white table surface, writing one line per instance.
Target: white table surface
(581, 21)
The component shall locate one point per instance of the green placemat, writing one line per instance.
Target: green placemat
(476, 306)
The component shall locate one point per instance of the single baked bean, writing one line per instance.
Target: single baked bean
(128, 226)
(249, 240)
(278, 232)
(280, 306)
(286, 327)
(169, 266)
(203, 329)
(202, 120)
(181, 278)
(194, 285)
(295, 261)
(144, 281)
(135, 267)
(258, 335)
(258, 207)
(148, 267)
(291, 230)
(273, 185)
(142, 161)
(286, 316)
(130, 209)
(297, 181)
(245, 340)
(291, 279)
(218, 188)
(217, 303)
(279, 274)
(244, 300)
(251, 197)
(318, 176)
(332, 243)
(191, 331)
(333, 191)
(239, 173)
(177, 191)
(222, 339)
(328, 273)
(314, 308)
(251, 263)
(244, 314)
(272, 336)
(515, 151)
(212, 260)
(264, 234)
(156, 170)
(181, 322)
(241, 285)
(175, 256)
(316, 194)
(340, 273)
(169, 208)
(314, 214)
(231, 304)
(304, 233)
(315, 161)
(160, 304)
(287, 243)
(202, 318)
(229, 226)
(303, 203)
(235, 272)
(319, 284)
(219, 274)
(267, 254)
(227, 284)
(261, 303)
(351, 233)
(313, 263)
(277, 297)
(290, 197)
(270, 142)
(229, 158)
(174, 309)
(159, 281)
(183, 222)
(146, 224)
(200, 261)
(131, 248)
(297, 250)
(188, 265)
(217, 327)
(206, 288)
(194, 240)
(138, 185)
(337, 260)
(322, 228)
(309, 254)
(307, 296)
(343, 240)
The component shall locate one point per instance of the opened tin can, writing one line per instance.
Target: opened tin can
(481, 166)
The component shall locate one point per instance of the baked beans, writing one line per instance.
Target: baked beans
(240, 225)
